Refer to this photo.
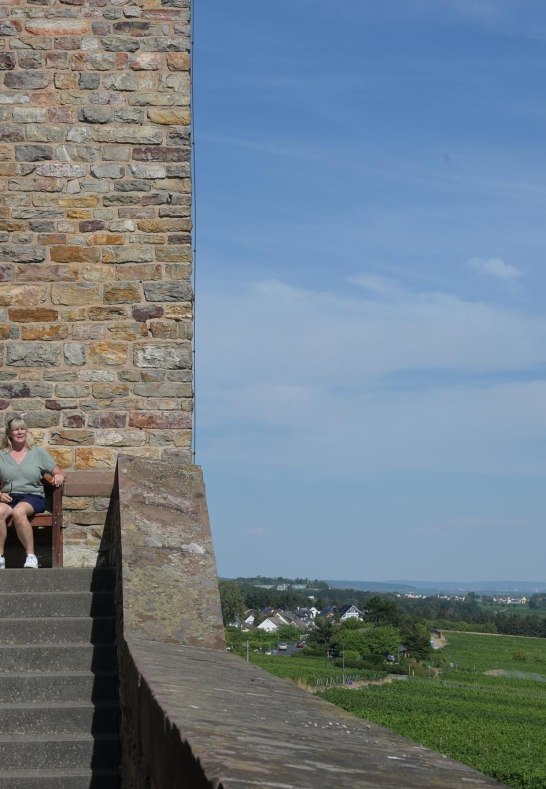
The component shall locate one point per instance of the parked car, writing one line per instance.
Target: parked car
(300, 644)
(283, 646)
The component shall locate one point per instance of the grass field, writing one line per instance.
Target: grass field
(494, 723)
(315, 672)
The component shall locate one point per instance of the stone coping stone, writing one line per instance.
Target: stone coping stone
(170, 582)
(231, 724)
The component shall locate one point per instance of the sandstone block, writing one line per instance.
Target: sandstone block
(170, 356)
(107, 170)
(162, 390)
(35, 185)
(90, 226)
(121, 199)
(75, 353)
(129, 375)
(146, 61)
(121, 81)
(147, 312)
(109, 391)
(44, 331)
(65, 80)
(107, 313)
(73, 420)
(121, 226)
(163, 44)
(109, 353)
(73, 294)
(148, 171)
(75, 503)
(107, 419)
(120, 44)
(63, 456)
(178, 61)
(77, 153)
(165, 330)
(27, 80)
(87, 331)
(151, 99)
(42, 273)
(149, 153)
(24, 389)
(19, 295)
(138, 27)
(83, 201)
(95, 114)
(167, 291)
(95, 457)
(72, 314)
(7, 61)
(33, 153)
(21, 254)
(122, 293)
(42, 133)
(175, 253)
(32, 354)
(30, 60)
(58, 405)
(58, 27)
(61, 170)
(127, 331)
(74, 254)
(100, 61)
(68, 42)
(162, 225)
(89, 81)
(71, 390)
(36, 419)
(66, 437)
(120, 438)
(115, 153)
(143, 271)
(139, 135)
(164, 420)
(29, 115)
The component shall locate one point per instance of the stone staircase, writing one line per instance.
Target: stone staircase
(59, 709)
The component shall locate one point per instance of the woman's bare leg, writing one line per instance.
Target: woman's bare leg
(5, 516)
(20, 514)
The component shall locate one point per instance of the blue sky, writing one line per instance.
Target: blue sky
(371, 331)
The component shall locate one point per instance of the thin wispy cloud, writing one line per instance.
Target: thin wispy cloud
(495, 267)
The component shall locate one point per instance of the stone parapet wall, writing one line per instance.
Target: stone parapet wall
(95, 227)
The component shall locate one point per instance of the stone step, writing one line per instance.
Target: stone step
(62, 579)
(22, 658)
(56, 604)
(59, 779)
(31, 630)
(59, 718)
(43, 686)
(59, 751)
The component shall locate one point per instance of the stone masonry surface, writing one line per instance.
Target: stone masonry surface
(95, 233)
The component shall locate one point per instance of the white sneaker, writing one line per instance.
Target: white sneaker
(32, 561)
(2, 563)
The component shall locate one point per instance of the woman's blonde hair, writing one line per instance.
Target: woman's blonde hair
(12, 423)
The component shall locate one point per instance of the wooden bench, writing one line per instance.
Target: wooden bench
(52, 519)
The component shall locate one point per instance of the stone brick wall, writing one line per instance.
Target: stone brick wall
(95, 228)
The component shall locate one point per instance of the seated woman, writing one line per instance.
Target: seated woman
(22, 495)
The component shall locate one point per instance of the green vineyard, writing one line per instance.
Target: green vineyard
(494, 721)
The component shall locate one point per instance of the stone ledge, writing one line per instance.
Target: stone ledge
(227, 723)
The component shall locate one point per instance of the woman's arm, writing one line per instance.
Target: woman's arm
(58, 476)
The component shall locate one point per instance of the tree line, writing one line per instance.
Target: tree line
(388, 609)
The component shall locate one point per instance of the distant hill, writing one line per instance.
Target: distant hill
(444, 587)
